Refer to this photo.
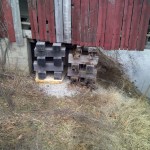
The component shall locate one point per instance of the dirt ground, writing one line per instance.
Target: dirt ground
(113, 117)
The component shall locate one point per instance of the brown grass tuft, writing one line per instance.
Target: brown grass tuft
(104, 119)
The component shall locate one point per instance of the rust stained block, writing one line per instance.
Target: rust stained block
(89, 69)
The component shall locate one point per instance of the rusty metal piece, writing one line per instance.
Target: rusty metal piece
(75, 68)
(89, 69)
(77, 53)
(92, 52)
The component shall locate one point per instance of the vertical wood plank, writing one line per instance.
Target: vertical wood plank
(2, 23)
(30, 10)
(67, 20)
(101, 23)
(85, 21)
(59, 20)
(17, 22)
(41, 19)
(47, 11)
(137, 8)
(73, 20)
(93, 15)
(35, 16)
(119, 5)
(7, 28)
(109, 25)
(76, 22)
(8, 20)
(145, 17)
(126, 24)
(52, 22)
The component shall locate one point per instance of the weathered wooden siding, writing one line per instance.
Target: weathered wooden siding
(6, 19)
(111, 24)
(41, 13)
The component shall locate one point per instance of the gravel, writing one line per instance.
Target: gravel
(60, 90)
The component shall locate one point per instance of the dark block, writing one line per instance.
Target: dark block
(48, 67)
(57, 61)
(89, 81)
(75, 68)
(57, 75)
(49, 52)
(40, 46)
(42, 75)
(39, 53)
(89, 69)
(41, 61)
(56, 46)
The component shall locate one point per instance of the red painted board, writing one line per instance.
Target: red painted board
(93, 14)
(35, 22)
(50, 25)
(145, 17)
(30, 11)
(51, 20)
(9, 20)
(47, 7)
(137, 9)
(73, 18)
(76, 22)
(84, 21)
(109, 25)
(119, 5)
(41, 19)
(101, 23)
(32, 23)
(3, 34)
(126, 24)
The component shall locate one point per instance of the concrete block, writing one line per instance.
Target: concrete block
(57, 75)
(42, 75)
(49, 66)
(49, 52)
(18, 57)
(89, 69)
(41, 61)
(56, 46)
(40, 46)
(82, 74)
(75, 68)
(57, 61)
(84, 59)
(39, 53)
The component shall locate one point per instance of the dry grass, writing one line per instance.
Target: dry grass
(110, 73)
(105, 119)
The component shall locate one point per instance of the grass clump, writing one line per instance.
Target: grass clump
(105, 119)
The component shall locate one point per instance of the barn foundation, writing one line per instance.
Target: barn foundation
(17, 57)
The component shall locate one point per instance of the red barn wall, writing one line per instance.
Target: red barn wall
(111, 24)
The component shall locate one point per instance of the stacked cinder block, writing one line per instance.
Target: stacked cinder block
(49, 59)
(82, 67)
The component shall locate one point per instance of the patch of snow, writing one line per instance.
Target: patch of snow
(60, 90)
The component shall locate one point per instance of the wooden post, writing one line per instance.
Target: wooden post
(67, 20)
(17, 22)
(59, 20)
